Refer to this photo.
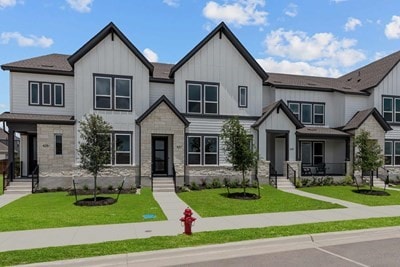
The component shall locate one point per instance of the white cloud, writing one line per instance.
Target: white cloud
(238, 12)
(300, 68)
(338, 1)
(351, 24)
(83, 6)
(173, 3)
(291, 10)
(150, 55)
(322, 49)
(7, 3)
(26, 41)
(392, 29)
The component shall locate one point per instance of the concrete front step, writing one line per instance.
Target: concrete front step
(284, 183)
(19, 187)
(163, 184)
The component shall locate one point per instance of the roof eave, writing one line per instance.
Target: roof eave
(38, 71)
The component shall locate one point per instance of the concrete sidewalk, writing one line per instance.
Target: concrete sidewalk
(172, 205)
(8, 198)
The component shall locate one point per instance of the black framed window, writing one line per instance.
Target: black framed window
(308, 112)
(202, 98)
(46, 94)
(112, 92)
(210, 150)
(58, 144)
(392, 152)
(122, 148)
(243, 93)
(391, 108)
(202, 149)
(312, 152)
(194, 150)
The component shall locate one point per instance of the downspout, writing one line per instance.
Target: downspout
(139, 181)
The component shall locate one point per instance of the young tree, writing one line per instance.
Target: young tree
(237, 148)
(369, 154)
(94, 150)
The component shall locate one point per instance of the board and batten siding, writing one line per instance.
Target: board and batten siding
(218, 61)
(112, 57)
(332, 107)
(213, 127)
(19, 93)
(277, 121)
(354, 103)
(157, 90)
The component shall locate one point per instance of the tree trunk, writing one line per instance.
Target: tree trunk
(95, 188)
(243, 184)
(371, 180)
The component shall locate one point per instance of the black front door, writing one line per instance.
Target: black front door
(160, 155)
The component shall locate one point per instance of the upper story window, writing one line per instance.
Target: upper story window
(46, 94)
(391, 108)
(308, 112)
(392, 152)
(202, 98)
(243, 93)
(113, 92)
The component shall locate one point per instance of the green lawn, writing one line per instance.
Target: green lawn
(197, 239)
(346, 193)
(48, 210)
(213, 202)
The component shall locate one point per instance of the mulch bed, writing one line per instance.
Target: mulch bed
(371, 192)
(243, 196)
(100, 201)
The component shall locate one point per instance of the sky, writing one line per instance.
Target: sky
(308, 37)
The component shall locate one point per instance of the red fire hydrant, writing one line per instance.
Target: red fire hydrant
(188, 220)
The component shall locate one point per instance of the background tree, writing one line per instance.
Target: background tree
(94, 149)
(369, 154)
(238, 148)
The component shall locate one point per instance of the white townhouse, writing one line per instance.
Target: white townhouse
(167, 118)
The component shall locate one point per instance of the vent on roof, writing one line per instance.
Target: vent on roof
(358, 80)
(349, 79)
(311, 129)
(311, 84)
(47, 66)
(277, 81)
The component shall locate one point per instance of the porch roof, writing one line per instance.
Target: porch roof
(37, 118)
(321, 132)
(359, 118)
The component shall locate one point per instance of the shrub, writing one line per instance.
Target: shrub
(98, 188)
(235, 183)
(203, 182)
(85, 187)
(194, 186)
(110, 187)
(298, 183)
(347, 180)
(59, 189)
(227, 182)
(45, 189)
(216, 183)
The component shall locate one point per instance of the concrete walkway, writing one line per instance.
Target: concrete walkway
(8, 198)
(173, 208)
(172, 205)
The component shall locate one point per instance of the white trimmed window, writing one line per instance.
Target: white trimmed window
(34, 95)
(312, 153)
(202, 98)
(308, 112)
(243, 93)
(58, 95)
(46, 94)
(103, 92)
(122, 94)
(391, 108)
(392, 152)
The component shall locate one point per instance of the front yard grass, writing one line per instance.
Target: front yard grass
(346, 193)
(213, 202)
(49, 210)
(204, 238)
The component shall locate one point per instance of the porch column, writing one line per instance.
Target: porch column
(347, 155)
(11, 154)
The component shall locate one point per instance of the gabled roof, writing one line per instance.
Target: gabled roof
(359, 118)
(49, 64)
(279, 105)
(372, 74)
(222, 28)
(291, 81)
(163, 99)
(110, 28)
